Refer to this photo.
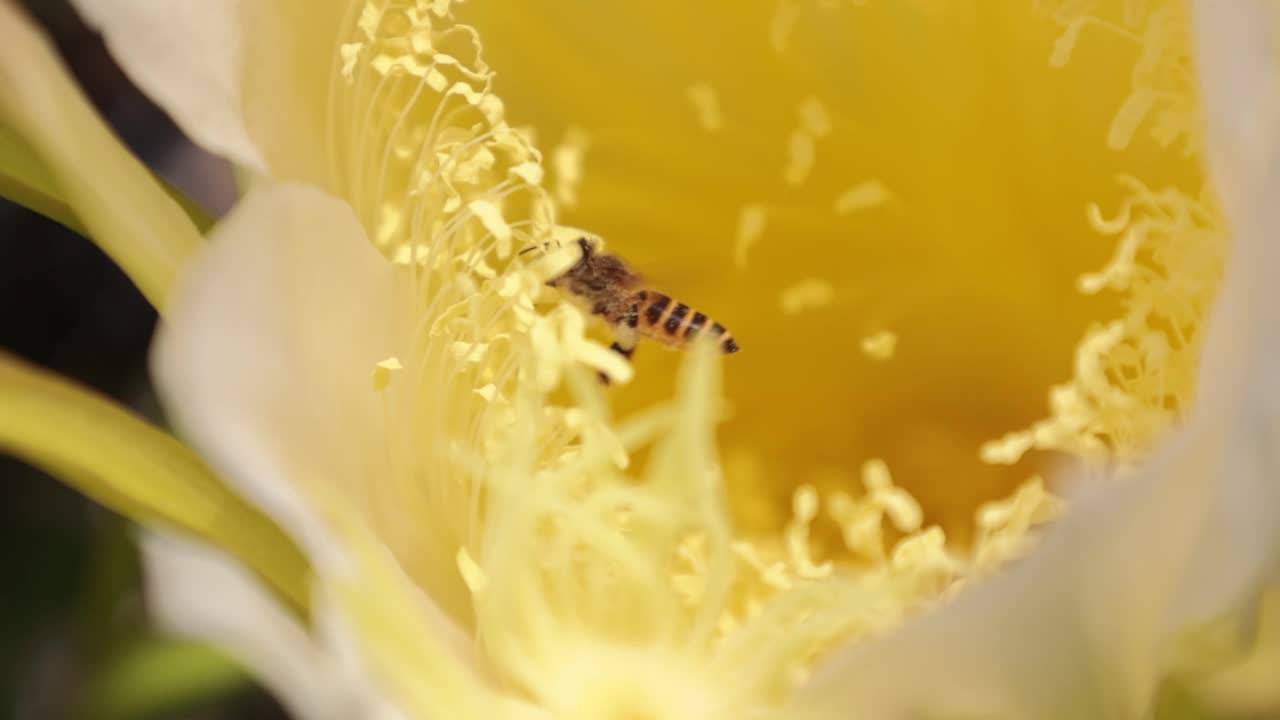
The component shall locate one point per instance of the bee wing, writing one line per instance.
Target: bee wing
(680, 275)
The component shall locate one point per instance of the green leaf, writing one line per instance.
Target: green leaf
(155, 675)
(25, 180)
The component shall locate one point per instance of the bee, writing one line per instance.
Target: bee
(606, 286)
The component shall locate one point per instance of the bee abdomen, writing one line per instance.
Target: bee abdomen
(677, 324)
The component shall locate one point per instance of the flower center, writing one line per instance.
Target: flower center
(897, 326)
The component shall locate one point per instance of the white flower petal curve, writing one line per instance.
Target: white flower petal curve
(246, 80)
(266, 358)
(198, 591)
(1087, 626)
(186, 55)
(1238, 44)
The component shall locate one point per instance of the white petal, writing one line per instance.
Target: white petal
(1083, 627)
(246, 80)
(1237, 46)
(1088, 625)
(266, 359)
(186, 55)
(197, 591)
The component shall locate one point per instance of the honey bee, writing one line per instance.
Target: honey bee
(604, 285)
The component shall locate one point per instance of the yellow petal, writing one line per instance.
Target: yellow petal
(25, 180)
(937, 197)
(114, 196)
(139, 471)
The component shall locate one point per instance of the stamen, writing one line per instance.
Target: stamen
(863, 196)
(706, 106)
(804, 508)
(880, 346)
(382, 372)
(1134, 375)
(814, 119)
(350, 53)
(566, 160)
(785, 15)
(751, 224)
(475, 578)
(806, 295)
(800, 156)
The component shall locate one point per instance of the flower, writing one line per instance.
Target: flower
(361, 354)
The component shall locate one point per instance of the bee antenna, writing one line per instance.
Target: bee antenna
(531, 248)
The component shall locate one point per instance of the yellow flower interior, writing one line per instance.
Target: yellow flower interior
(822, 173)
(895, 208)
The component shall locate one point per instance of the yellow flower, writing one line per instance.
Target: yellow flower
(886, 201)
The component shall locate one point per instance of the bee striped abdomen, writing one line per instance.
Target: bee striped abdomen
(676, 324)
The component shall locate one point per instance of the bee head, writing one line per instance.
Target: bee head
(581, 267)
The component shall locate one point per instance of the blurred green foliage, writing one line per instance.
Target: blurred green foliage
(76, 640)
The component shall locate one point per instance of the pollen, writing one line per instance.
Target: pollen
(567, 161)
(467, 352)
(530, 172)
(491, 216)
(801, 151)
(350, 53)
(805, 508)
(1004, 525)
(814, 123)
(471, 573)
(382, 372)
(814, 118)
(370, 20)
(863, 196)
(751, 225)
(880, 346)
(806, 295)
(706, 106)
(785, 15)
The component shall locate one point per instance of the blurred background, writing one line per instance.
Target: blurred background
(74, 640)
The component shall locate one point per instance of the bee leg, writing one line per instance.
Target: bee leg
(624, 351)
(624, 344)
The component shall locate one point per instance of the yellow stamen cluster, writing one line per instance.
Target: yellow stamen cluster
(449, 191)
(1134, 375)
